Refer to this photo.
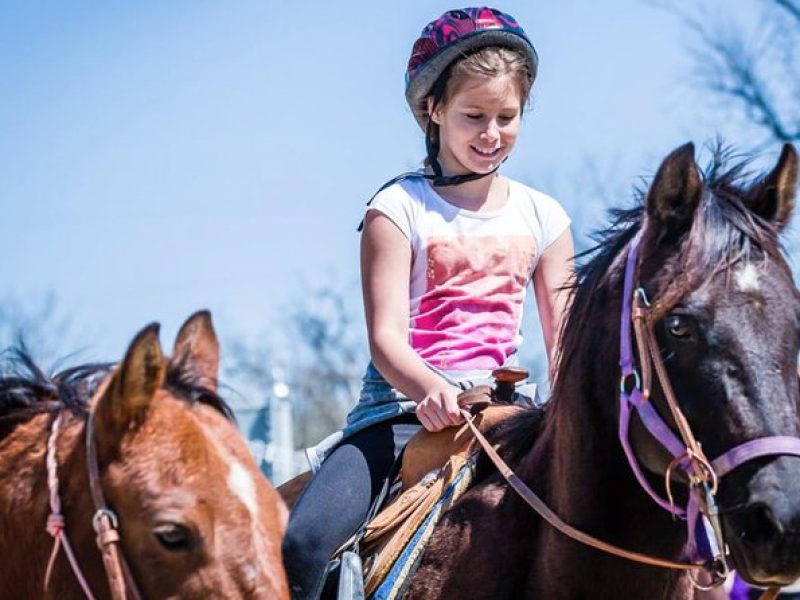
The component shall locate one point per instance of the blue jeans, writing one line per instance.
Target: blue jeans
(379, 401)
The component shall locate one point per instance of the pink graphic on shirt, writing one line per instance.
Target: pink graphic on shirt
(470, 312)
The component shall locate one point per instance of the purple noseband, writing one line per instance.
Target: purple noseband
(636, 400)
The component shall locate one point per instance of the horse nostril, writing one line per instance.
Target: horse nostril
(760, 525)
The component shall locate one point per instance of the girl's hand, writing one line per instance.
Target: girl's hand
(439, 409)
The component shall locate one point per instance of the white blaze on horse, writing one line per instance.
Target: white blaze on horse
(145, 458)
(689, 306)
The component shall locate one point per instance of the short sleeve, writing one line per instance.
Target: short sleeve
(552, 218)
(396, 203)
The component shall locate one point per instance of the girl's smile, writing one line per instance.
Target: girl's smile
(478, 126)
(491, 153)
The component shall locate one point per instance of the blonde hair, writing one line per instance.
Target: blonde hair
(486, 63)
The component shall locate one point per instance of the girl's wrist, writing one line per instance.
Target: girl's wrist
(440, 388)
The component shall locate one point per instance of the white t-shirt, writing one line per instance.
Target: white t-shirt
(470, 270)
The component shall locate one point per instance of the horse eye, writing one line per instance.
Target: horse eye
(173, 536)
(678, 326)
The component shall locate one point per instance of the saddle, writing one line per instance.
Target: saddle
(436, 470)
(428, 451)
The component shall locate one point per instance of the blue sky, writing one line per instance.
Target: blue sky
(160, 157)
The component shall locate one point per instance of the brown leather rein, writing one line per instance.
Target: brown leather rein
(105, 522)
(548, 515)
(544, 511)
(650, 358)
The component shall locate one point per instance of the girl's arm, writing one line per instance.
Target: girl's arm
(385, 280)
(552, 274)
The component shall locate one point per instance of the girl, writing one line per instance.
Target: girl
(447, 253)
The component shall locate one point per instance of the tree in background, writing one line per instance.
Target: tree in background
(322, 356)
(752, 72)
(334, 342)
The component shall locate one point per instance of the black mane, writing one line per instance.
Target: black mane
(724, 231)
(26, 390)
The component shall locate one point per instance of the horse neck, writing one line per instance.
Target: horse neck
(24, 542)
(579, 466)
(587, 455)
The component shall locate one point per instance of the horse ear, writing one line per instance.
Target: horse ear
(675, 193)
(197, 345)
(773, 198)
(132, 386)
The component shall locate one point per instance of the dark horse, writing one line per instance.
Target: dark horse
(196, 517)
(730, 333)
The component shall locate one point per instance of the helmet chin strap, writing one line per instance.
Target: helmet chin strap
(432, 148)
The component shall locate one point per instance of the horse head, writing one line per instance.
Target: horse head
(727, 324)
(197, 519)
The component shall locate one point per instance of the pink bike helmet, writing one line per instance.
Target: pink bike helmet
(452, 35)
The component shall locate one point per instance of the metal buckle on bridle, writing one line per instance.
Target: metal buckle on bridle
(97, 519)
(704, 473)
(718, 570)
(625, 380)
(643, 295)
(719, 564)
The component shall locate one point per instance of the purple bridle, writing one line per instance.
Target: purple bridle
(701, 495)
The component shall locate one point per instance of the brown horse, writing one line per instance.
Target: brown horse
(729, 335)
(196, 518)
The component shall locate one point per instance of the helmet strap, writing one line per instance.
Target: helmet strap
(432, 149)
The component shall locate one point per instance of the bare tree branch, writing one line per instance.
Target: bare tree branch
(791, 7)
(755, 72)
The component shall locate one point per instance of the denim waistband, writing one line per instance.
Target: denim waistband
(379, 401)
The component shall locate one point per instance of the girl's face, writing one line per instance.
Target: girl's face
(479, 124)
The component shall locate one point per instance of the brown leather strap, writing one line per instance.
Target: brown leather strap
(475, 399)
(107, 540)
(548, 515)
(120, 579)
(649, 359)
(771, 593)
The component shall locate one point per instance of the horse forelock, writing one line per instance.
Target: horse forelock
(724, 235)
(26, 389)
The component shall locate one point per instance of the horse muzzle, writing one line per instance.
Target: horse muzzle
(763, 534)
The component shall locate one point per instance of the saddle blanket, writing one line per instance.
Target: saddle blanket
(390, 581)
